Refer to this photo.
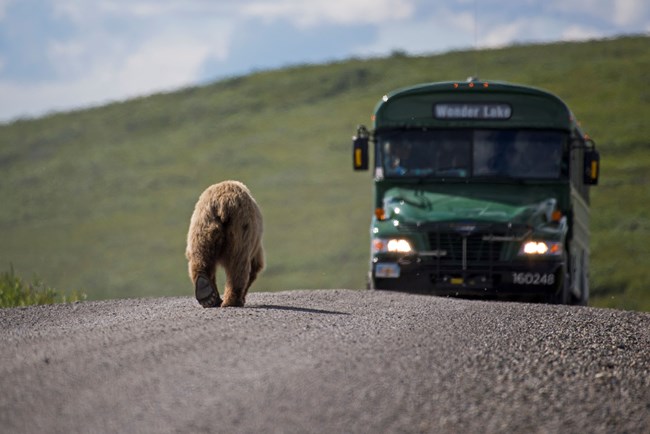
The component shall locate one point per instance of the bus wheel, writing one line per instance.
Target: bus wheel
(370, 282)
(583, 282)
(563, 295)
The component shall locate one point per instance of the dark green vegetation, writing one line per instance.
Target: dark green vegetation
(100, 199)
(14, 291)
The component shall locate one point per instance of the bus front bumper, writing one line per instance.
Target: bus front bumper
(520, 279)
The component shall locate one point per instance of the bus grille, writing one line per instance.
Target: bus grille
(465, 249)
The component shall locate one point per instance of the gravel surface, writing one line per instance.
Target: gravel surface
(323, 361)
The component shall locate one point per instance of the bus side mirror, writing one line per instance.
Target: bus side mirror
(591, 166)
(360, 149)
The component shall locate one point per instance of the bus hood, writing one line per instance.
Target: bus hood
(419, 206)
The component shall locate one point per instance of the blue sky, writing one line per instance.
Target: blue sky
(66, 54)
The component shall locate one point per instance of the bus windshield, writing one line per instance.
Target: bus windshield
(518, 153)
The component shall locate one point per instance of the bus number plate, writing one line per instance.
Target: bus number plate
(533, 278)
(387, 270)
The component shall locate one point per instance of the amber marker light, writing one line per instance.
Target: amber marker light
(556, 216)
(471, 84)
(378, 245)
(380, 214)
(555, 249)
(485, 85)
(455, 85)
(358, 158)
(594, 169)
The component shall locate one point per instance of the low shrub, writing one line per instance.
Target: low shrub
(14, 291)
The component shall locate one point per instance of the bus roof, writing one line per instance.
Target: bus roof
(472, 104)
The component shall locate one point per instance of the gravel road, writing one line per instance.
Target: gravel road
(323, 361)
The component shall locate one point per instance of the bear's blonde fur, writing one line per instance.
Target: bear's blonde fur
(226, 230)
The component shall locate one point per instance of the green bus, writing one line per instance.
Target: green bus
(481, 189)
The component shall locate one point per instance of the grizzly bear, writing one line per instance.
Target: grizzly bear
(226, 230)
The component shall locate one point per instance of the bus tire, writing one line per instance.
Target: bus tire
(563, 294)
(583, 283)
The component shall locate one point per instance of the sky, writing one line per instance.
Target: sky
(59, 55)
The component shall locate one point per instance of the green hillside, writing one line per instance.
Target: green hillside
(99, 200)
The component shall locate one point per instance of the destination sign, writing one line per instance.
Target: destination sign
(498, 111)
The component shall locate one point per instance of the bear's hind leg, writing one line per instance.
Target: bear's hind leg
(202, 252)
(257, 265)
(237, 276)
(206, 292)
(205, 284)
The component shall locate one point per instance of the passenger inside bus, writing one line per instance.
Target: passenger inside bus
(399, 154)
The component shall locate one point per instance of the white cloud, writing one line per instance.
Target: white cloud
(102, 50)
(102, 63)
(580, 33)
(160, 64)
(309, 14)
(38, 99)
(630, 12)
(504, 34)
(535, 29)
(442, 30)
(77, 10)
(625, 13)
(154, 67)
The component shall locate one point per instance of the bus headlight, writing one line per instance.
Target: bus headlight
(541, 248)
(391, 245)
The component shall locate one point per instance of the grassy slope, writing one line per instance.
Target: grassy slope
(99, 200)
